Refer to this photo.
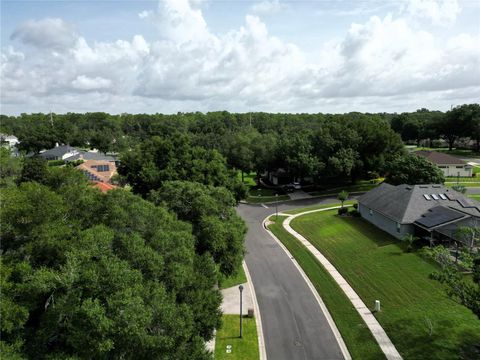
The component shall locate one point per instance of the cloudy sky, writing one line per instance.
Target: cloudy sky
(273, 55)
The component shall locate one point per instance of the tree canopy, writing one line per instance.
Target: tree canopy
(412, 169)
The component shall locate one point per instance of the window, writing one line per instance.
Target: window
(442, 196)
(459, 167)
(442, 167)
(434, 196)
(426, 197)
(398, 227)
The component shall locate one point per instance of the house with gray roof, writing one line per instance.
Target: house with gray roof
(432, 211)
(59, 152)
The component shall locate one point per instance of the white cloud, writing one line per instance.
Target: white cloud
(382, 64)
(83, 82)
(440, 12)
(267, 7)
(46, 33)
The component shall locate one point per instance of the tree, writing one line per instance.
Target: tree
(10, 167)
(412, 169)
(343, 196)
(410, 239)
(121, 280)
(455, 124)
(34, 169)
(218, 229)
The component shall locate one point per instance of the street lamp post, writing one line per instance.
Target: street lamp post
(241, 328)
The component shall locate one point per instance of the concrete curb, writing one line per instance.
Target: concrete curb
(372, 323)
(322, 305)
(258, 319)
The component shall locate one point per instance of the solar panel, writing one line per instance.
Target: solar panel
(426, 197)
(438, 215)
(434, 196)
(442, 196)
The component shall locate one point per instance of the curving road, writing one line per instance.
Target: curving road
(293, 324)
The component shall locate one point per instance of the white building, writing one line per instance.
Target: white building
(450, 165)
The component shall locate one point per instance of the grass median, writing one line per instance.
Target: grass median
(355, 333)
(228, 335)
(419, 318)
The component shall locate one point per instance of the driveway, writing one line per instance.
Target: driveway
(293, 324)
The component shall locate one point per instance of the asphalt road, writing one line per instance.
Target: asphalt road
(293, 324)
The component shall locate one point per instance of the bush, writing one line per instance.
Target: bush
(342, 211)
(355, 213)
(56, 162)
(355, 206)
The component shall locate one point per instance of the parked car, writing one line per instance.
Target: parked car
(297, 185)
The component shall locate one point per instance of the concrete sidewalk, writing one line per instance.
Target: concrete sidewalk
(379, 334)
(231, 300)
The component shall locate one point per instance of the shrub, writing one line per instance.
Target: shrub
(342, 211)
(56, 162)
(355, 206)
(354, 213)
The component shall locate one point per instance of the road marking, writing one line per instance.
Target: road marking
(265, 206)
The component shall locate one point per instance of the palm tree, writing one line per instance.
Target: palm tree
(410, 239)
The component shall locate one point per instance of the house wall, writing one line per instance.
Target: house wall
(456, 170)
(384, 223)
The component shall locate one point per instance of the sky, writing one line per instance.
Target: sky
(292, 56)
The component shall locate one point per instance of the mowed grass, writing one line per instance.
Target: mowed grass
(463, 183)
(416, 313)
(261, 195)
(237, 279)
(357, 337)
(317, 207)
(475, 196)
(242, 349)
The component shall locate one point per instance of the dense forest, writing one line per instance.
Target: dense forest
(132, 274)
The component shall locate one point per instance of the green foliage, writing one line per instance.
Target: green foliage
(87, 275)
(158, 160)
(34, 169)
(342, 196)
(412, 169)
(10, 167)
(409, 239)
(56, 162)
(460, 188)
(218, 229)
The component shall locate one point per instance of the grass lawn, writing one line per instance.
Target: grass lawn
(355, 333)
(474, 196)
(459, 152)
(464, 183)
(359, 187)
(248, 179)
(242, 349)
(261, 195)
(239, 278)
(316, 207)
(416, 313)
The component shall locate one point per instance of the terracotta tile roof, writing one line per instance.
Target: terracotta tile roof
(103, 187)
(91, 170)
(439, 158)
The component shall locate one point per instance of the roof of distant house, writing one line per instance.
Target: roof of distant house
(98, 170)
(6, 137)
(408, 203)
(91, 155)
(58, 151)
(439, 158)
(103, 187)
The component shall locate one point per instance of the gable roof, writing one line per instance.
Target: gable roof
(103, 187)
(91, 155)
(407, 203)
(58, 151)
(439, 158)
